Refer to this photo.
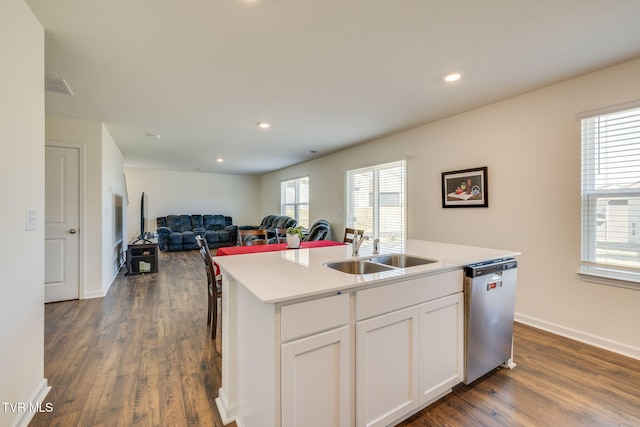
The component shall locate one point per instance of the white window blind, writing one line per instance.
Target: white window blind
(294, 200)
(611, 196)
(376, 202)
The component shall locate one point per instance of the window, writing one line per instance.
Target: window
(376, 202)
(294, 200)
(611, 197)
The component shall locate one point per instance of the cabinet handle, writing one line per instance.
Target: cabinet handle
(72, 231)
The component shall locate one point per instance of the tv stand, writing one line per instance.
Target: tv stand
(142, 256)
(140, 239)
(143, 238)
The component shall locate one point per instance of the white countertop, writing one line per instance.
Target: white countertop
(298, 273)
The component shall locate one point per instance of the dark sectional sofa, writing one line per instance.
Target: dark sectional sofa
(178, 232)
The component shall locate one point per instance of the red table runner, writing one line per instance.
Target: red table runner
(239, 250)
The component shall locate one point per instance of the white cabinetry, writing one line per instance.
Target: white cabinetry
(369, 357)
(441, 346)
(315, 369)
(411, 352)
(386, 367)
(315, 380)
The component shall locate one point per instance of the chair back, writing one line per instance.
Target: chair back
(214, 286)
(205, 254)
(281, 235)
(253, 237)
(349, 233)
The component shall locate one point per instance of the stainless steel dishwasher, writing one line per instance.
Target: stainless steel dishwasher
(490, 298)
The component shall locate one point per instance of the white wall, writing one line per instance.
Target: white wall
(531, 145)
(22, 172)
(113, 191)
(176, 193)
(103, 169)
(89, 134)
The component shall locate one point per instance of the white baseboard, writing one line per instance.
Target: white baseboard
(226, 414)
(596, 341)
(94, 294)
(37, 397)
(103, 293)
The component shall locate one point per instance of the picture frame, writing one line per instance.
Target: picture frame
(467, 188)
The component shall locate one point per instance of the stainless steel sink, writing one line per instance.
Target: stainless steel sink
(378, 263)
(357, 267)
(401, 260)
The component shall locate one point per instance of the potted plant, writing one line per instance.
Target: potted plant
(294, 236)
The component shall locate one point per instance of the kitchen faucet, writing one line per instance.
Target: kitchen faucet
(357, 241)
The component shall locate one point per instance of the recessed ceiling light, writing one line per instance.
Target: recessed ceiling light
(452, 77)
(264, 125)
(219, 159)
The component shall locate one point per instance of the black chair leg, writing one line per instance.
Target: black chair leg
(214, 318)
(209, 308)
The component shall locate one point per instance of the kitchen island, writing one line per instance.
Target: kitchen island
(307, 345)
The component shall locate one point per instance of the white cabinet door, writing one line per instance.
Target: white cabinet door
(441, 346)
(316, 380)
(386, 367)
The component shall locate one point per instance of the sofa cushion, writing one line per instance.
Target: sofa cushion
(196, 222)
(173, 222)
(179, 223)
(185, 222)
(174, 241)
(271, 222)
(284, 222)
(216, 222)
(161, 221)
(212, 236)
(189, 240)
(267, 221)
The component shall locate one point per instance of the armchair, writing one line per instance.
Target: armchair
(270, 223)
(318, 231)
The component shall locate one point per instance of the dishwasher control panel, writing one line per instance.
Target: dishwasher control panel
(489, 267)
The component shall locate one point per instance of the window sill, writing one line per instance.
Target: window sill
(610, 277)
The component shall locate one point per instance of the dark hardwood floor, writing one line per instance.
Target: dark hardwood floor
(142, 356)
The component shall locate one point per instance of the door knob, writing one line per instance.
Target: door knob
(72, 231)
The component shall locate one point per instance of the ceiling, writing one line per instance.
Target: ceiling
(327, 74)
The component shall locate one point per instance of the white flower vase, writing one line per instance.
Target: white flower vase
(293, 241)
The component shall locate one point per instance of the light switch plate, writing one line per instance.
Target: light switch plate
(32, 220)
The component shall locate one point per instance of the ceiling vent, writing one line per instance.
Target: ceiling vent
(57, 85)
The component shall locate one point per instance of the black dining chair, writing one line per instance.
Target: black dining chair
(214, 287)
(349, 234)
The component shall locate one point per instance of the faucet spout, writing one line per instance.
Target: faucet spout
(357, 242)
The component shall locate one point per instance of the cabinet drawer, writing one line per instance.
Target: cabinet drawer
(387, 298)
(305, 318)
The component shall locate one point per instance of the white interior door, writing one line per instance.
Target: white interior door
(62, 195)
